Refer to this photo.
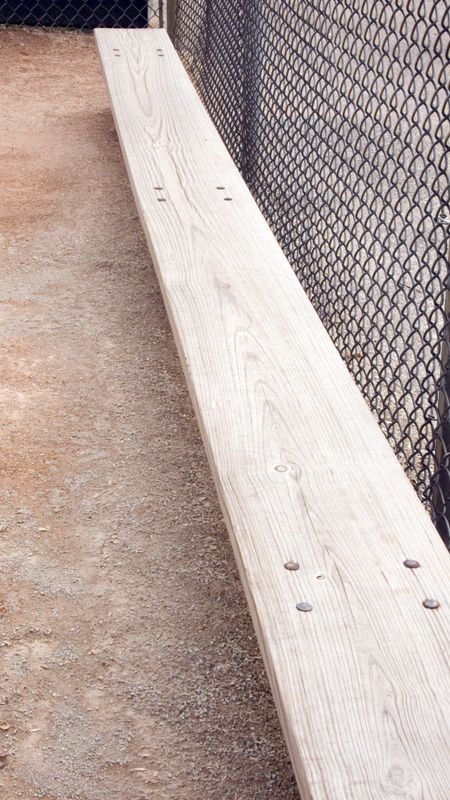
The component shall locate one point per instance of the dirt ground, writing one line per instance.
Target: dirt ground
(129, 665)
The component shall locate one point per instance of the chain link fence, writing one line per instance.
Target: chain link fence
(83, 13)
(337, 115)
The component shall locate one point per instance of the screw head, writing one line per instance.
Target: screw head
(430, 603)
(411, 563)
(304, 607)
(292, 565)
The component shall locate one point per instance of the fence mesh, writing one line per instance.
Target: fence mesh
(83, 13)
(337, 115)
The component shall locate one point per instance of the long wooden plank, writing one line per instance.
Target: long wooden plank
(302, 470)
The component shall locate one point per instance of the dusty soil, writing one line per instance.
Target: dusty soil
(129, 666)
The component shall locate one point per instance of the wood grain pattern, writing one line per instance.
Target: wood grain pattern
(301, 468)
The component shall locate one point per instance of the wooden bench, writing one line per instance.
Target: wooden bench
(357, 664)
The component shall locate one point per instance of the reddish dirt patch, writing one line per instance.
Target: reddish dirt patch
(129, 666)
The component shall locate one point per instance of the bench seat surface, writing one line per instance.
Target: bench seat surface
(302, 470)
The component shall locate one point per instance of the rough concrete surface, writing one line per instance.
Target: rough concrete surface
(129, 668)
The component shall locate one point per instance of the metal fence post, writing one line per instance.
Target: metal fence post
(171, 17)
(154, 13)
(441, 489)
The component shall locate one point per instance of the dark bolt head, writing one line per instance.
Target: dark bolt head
(304, 607)
(430, 603)
(411, 563)
(292, 565)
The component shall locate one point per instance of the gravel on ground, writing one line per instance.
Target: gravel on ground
(129, 668)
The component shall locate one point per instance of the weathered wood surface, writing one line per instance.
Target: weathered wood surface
(302, 470)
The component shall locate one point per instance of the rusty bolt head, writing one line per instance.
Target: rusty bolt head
(292, 565)
(304, 607)
(430, 603)
(411, 563)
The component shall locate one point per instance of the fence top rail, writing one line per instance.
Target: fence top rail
(320, 513)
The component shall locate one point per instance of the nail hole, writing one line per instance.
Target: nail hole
(320, 577)
(161, 199)
(227, 198)
(158, 188)
(220, 188)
